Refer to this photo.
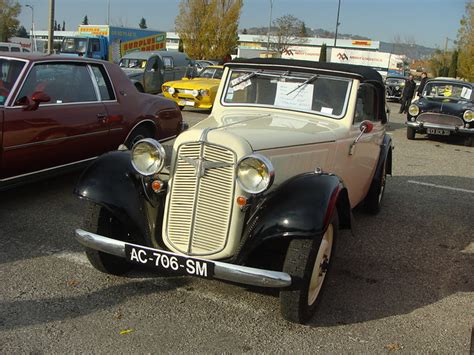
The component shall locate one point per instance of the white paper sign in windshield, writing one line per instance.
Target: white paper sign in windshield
(288, 95)
(466, 93)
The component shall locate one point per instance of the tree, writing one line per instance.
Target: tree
(466, 44)
(303, 31)
(142, 23)
(208, 28)
(439, 63)
(85, 21)
(22, 32)
(9, 11)
(287, 33)
(244, 32)
(64, 26)
(323, 56)
(453, 68)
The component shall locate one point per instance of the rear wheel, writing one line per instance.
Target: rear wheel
(308, 262)
(373, 200)
(100, 221)
(411, 133)
(138, 133)
(139, 87)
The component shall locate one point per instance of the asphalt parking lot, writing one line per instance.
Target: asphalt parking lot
(403, 282)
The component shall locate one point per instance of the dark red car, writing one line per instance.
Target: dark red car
(58, 112)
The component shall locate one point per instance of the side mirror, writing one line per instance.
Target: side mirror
(37, 98)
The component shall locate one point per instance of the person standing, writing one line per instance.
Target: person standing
(424, 77)
(407, 95)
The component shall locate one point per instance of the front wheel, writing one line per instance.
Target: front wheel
(410, 133)
(469, 141)
(308, 262)
(100, 221)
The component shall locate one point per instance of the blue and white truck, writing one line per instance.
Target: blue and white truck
(112, 42)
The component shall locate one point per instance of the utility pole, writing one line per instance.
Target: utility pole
(269, 27)
(337, 23)
(108, 12)
(33, 42)
(51, 27)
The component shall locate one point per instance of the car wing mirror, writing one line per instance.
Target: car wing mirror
(365, 126)
(37, 98)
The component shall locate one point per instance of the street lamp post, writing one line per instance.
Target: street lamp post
(33, 42)
(337, 23)
(269, 27)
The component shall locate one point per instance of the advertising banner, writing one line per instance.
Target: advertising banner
(302, 52)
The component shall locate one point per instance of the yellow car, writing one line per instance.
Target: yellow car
(199, 91)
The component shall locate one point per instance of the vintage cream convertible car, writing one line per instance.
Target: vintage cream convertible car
(290, 148)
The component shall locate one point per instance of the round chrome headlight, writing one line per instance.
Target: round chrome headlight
(195, 93)
(148, 157)
(468, 116)
(255, 173)
(171, 90)
(413, 110)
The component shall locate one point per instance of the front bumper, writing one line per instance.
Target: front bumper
(422, 126)
(223, 271)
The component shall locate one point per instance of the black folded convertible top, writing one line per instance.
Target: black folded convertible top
(364, 73)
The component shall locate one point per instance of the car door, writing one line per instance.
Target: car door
(71, 127)
(169, 71)
(152, 76)
(357, 161)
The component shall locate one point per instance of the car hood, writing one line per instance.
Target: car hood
(444, 105)
(272, 130)
(192, 84)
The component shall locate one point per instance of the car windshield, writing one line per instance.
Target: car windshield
(395, 81)
(456, 91)
(131, 63)
(74, 45)
(299, 91)
(9, 72)
(211, 73)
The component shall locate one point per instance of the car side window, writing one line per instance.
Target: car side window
(168, 62)
(366, 104)
(103, 82)
(62, 82)
(95, 45)
(152, 64)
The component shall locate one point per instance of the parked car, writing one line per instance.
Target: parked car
(445, 108)
(201, 64)
(12, 47)
(57, 112)
(290, 148)
(149, 70)
(196, 91)
(394, 87)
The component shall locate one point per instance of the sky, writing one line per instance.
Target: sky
(428, 22)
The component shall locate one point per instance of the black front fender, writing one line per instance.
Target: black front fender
(111, 182)
(299, 208)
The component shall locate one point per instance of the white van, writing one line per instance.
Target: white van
(12, 47)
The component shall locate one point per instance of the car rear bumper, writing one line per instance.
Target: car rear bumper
(223, 271)
(422, 126)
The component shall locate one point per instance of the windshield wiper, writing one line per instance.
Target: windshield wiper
(241, 79)
(308, 81)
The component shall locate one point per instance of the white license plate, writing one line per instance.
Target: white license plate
(186, 103)
(171, 263)
(437, 131)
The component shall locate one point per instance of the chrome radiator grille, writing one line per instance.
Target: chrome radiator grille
(441, 119)
(200, 204)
